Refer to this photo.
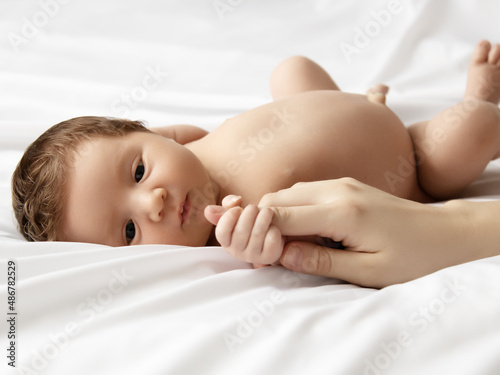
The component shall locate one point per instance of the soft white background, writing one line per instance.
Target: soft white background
(171, 310)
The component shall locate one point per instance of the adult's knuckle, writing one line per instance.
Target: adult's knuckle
(318, 262)
(325, 265)
(350, 184)
(350, 209)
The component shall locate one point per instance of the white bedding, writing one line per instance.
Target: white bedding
(89, 309)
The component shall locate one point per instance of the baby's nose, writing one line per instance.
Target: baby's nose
(153, 203)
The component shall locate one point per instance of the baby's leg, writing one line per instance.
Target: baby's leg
(453, 148)
(299, 74)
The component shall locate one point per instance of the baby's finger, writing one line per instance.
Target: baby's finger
(259, 232)
(231, 201)
(243, 229)
(213, 213)
(273, 246)
(226, 225)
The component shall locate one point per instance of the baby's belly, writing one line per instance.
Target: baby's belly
(327, 135)
(344, 135)
(366, 141)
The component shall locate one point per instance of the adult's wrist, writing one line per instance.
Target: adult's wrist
(477, 225)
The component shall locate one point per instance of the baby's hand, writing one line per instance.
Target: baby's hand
(246, 233)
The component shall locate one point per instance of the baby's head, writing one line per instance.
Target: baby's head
(38, 183)
(110, 181)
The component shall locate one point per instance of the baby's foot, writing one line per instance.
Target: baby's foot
(483, 77)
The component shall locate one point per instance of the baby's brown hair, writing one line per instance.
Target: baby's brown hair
(39, 179)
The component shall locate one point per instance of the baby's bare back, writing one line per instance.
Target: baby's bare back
(316, 135)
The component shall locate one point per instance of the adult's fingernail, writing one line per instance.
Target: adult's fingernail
(293, 256)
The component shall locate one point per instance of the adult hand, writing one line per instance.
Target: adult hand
(387, 239)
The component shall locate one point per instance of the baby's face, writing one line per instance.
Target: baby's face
(137, 189)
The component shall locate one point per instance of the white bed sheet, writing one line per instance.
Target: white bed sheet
(89, 309)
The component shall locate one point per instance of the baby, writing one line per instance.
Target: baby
(114, 182)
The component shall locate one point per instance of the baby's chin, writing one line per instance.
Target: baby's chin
(210, 238)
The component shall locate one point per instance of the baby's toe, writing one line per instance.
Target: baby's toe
(494, 55)
(481, 52)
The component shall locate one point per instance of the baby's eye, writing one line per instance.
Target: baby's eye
(139, 172)
(130, 231)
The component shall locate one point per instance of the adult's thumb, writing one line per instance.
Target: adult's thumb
(309, 258)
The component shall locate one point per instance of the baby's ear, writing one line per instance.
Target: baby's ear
(213, 213)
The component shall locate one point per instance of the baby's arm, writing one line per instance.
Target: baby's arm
(246, 233)
(182, 134)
